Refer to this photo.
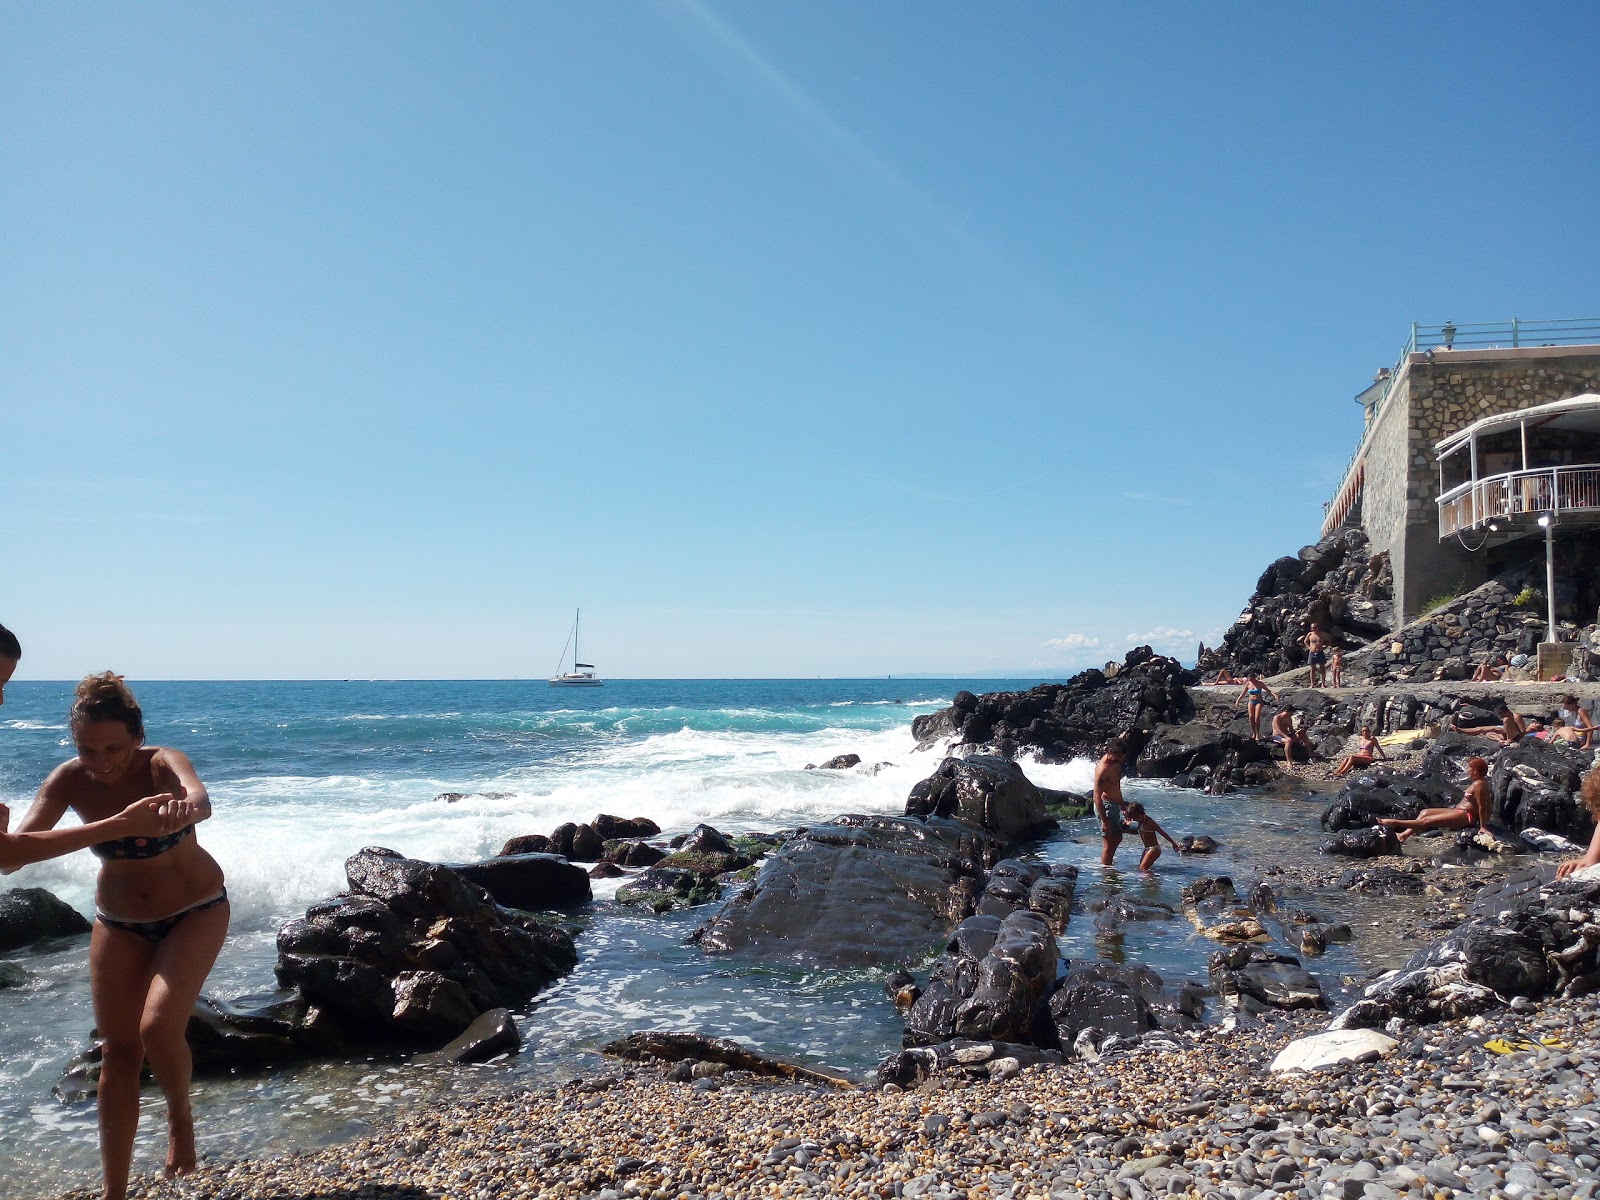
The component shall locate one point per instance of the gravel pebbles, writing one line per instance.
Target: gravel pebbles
(1444, 1115)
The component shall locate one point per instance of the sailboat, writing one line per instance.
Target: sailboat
(582, 673)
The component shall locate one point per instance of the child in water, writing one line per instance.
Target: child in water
(1136, 820)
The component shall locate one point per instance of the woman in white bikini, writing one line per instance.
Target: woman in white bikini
(161, 913)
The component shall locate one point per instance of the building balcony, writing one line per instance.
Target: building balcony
(1508, 506)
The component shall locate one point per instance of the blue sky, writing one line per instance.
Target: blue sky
(785, 338)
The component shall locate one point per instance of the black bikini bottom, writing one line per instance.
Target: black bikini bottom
(157, 930)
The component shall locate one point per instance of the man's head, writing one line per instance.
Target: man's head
(1117, 747)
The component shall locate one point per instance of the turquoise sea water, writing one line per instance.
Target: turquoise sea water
(304, 774)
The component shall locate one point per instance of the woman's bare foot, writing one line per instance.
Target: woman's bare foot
(180, 1145)
(1403, 834)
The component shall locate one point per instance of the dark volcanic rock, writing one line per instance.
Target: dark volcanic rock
(528, 843)
(413, 953)
(1536, 783)
(633, 853)
(491, 1034)
(1372, 842)
(612, 828)
(28, 915)
(664, 888)
(706, 852)
(1272, 980)
(1061, 721)
(991, 982)
(1102, 996)
(1176, 749)
(839, 762)
(529, 881)
(1362, 801)
(666, 1046)
(1382, 881)
(859, 891)
(983, 790)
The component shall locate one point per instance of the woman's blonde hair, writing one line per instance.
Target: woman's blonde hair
(105, 697)
(1590, 791)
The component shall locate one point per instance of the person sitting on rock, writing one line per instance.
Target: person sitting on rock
(1590, 791)
(1472, 809)
(1140, 822)
(1368, 751)
(1512, 728)
(1578, 718)
(1316, 644)
(1489, 670)
(1285, 734)
(1336, 668)
(1256, 693)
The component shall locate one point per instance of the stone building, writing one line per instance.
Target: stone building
(1467, 446)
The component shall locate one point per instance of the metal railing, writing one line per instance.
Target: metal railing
(1519, 494)
(1516, 334)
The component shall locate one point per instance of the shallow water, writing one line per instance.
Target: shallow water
(304, 774)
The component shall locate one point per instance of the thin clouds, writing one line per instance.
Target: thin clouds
(1074, 641)
(1152, 498)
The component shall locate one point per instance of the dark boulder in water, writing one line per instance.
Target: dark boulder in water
(612, 828)
(529, 881)
(629, 853)
(1361, 802)
(858, 891)
(528, 843)
(840, 762)
(1373, 842)
(1256, 978)
(664, 888)
(29, 915)
(983, 790)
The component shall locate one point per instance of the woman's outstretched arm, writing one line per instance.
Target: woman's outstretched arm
(142, 818)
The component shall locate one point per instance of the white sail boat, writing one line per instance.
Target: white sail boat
(582, 673)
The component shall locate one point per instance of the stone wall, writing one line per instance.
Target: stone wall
(1439, 394)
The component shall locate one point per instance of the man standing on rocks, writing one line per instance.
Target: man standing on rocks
(1108, 797)
(1316, 644)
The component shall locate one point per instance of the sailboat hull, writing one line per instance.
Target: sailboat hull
(579, 681)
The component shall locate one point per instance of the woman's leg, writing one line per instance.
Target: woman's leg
(1152, 851)
(1429, 818)
(182, 961)
(120, 964)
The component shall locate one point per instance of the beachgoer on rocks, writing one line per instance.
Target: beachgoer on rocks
(1489, 670)
(1512, 728)
(1316, 644)
(1254, 696)
(1472, 809)
(1289, 735)
(1108, 797)
(1140, 822)
(1590, 791)
(1578, 718)
(1368, 751)
(1336, 668)
(161, 911)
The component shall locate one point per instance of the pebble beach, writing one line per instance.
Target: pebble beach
(1501, 1107)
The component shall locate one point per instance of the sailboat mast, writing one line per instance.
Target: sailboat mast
(577, 655)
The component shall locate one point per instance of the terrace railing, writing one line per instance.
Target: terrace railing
(1520, 494)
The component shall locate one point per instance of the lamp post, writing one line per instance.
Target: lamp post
(1548, 520)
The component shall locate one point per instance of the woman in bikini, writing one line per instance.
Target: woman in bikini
(1368, 751)
(1472, 809)
(1591, 799)
(1256, 693)
(161, 913)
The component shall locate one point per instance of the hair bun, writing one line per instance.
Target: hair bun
(106, 697)
(107, 685)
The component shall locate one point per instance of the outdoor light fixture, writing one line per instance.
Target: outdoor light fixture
(1544, 520)
(1494, 527)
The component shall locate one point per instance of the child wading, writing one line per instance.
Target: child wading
(1136, 820)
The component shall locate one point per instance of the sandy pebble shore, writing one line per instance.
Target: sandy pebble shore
(1441, 1116)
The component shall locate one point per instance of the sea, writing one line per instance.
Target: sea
(304, 774)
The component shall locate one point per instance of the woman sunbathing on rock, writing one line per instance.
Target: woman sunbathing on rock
(161, 911)
(1472, 809)
(1591, 799)
(1368, 751)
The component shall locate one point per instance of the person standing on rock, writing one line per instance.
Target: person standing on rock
(1590, 791)
(1316, 644)
(1255, 693)
(1472, 809)
(1108, 797)
(161, 914)
(1336, 668)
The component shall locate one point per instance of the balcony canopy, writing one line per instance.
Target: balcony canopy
(1577, 414)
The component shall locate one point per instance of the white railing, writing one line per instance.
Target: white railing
(1519, 494)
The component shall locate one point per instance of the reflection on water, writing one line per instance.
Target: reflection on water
(639, 972)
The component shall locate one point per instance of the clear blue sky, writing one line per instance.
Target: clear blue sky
(785, 338)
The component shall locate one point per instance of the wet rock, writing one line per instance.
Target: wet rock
(29, 915)
(12, 975)
(587, 844)
(1382, 881)
(529, 881)
(675, 1047)
(413, 949)
(1373, 842)
(858, 891)
(1536, 784)
(606, 870)
(986, 791)
(626, 853)
(1175, 749)
(490, 1035)
(1104, 997)
(1198, 845)
(664, 888)
(612, 829)
(1364, 800)
(978, 1059)
(528, 843)
(457, 797)
(1270, 978)
(840, 762)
